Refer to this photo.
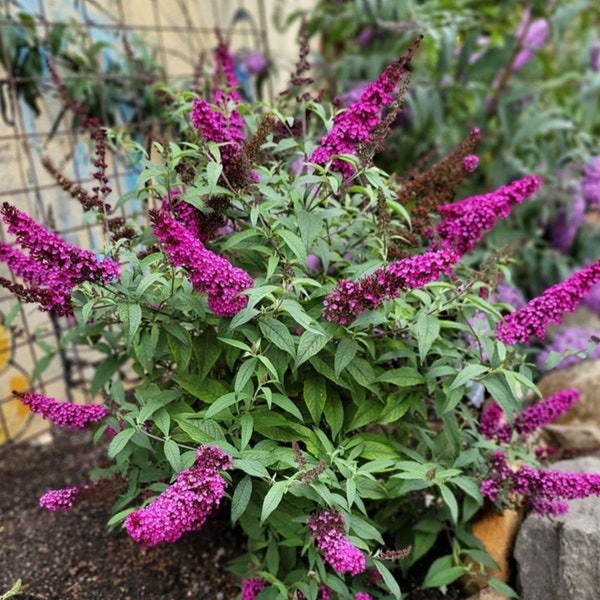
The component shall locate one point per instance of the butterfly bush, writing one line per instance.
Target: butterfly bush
(298, 341)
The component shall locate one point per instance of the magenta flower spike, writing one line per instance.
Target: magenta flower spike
(350, 298)
(354, 126)
(62, 414)
(539, 312)
(222, 123)
(544, 490)
(539, 414)
(73, 264)
(329, 534)
(209, 273)
(186, 504)
(59, 499)
(464, 223)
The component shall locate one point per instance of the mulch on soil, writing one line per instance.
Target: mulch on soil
(71, 555)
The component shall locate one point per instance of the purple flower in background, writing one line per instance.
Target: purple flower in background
(565, 225)
(314, 263)
(255, 62)
(329, 534)
(532, 36)
(59, 499)
(565, 340)
(493, 422)
(184, 505)
(209, 273)
(592, 299)
(539, 312)
(508, 294)
(364, 37)
(350, 298)
(62, 414)
(252, 587)
(590, 186)
(357, 89)
(464, 223)
(595, 56)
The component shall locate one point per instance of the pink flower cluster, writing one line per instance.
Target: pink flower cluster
(492, 426)
(209, 273)
(354, 126)
(51, 262)
(221, 122)
(470, 163)
(62, 414)
(533, 318)
(252, 587)
(545, 491)
(59, 499)
(185, 505)
(350, 298)
(464, 223)
(330, 536)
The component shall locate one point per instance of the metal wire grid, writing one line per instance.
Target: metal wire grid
(179, 34)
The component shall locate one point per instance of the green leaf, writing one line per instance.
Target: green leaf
(294, 243)
(402, 377)
(207, 390)
(367, 413)
(272, 499)
(345, 352)
(364, 530)
(315, 395)
(442, 573)
(213, 172)
(246, 427)
(221, 404)
(241, 498)
(389, 580)
(469, 373)
(107, 368)
(120, 441)
(295, 310)
(310, 226)
(449, 501)
(287, 405)
(427, 330)
(495, 583)
(310, 344)
(277, 333)
(251, 466)
(334, 412)
(173, 455)
(244, 374)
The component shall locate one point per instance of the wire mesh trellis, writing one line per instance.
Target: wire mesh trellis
(108, 52)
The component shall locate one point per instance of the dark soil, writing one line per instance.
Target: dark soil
(71, 555)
